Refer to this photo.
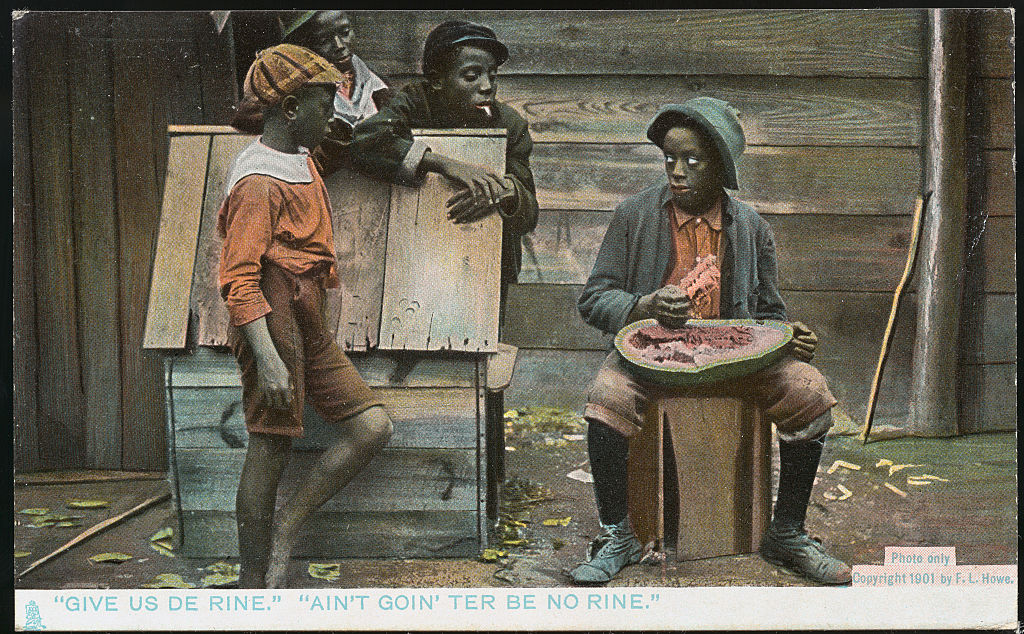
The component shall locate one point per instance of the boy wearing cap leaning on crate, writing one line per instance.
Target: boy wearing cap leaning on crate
(653, 241)
(277, 260)
(460, 65)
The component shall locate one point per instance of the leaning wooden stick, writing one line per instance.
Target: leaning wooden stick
(915, 233)
(102, 526)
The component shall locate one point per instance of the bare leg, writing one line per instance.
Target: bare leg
(254, 504)
(363, 436)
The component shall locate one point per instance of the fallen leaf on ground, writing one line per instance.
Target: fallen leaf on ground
(223, 568)
(926, 476)
(113, 558)
(843, 493)
(514, 542)
(843, 463)
(510, 448)
(919, 482)
(895, 490)
(66, 524)
(167, 580)
(22, 553)
(555, 442)
(161, 548)
(219, 580)
(329, 572)
(557, 521)
(511, 414)
(34, 511)
(79, 503)
(883, 463)
(581, 475)
(163, 533)
(899, 467)
(493, 554)
(574, 437)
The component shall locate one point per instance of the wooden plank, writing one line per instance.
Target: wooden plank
(869, 257)
(136, 113)
(175, 63)
(360, 207)
(213, 418)
(989, 329)
(395, 480)
(167, 319)
(96, 239)
(61, 404)
(809, 43)
(999, 190)
(545, 316)
(24, 397)
(988, 398)
(998, 130)
(554, 378)
(210, 368)
(216, 54)
(993, 39)
(836, 180)
(993, 248)
(206, 302)
(403, 534)
(788, 111)
(441, 280)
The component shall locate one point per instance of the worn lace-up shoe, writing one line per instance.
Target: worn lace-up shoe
(803, 554)
(611, 551)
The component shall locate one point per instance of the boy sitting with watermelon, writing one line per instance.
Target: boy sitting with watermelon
(644, 270)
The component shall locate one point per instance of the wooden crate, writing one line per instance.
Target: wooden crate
(423, 496)
(427, 493)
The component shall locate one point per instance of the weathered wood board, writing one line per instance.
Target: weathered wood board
(441, 280)
(167, 318)
(815, 43)
(206, 304)
(359, 207)
(772, 179)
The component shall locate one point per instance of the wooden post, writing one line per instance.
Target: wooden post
(933, 406)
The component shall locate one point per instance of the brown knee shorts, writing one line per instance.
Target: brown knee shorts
(793, 394)
(317, 366)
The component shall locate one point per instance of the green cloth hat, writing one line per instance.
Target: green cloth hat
(716, 118)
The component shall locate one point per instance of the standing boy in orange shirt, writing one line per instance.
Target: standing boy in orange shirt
(278, 259)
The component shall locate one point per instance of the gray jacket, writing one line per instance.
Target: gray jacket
(637, 251)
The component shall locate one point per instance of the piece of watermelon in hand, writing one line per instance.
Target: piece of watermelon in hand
(699, 285)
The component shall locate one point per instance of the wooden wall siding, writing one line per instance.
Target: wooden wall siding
(442, 280)
(25, 362)
(802, 43)
(988, 360)
(99, 89)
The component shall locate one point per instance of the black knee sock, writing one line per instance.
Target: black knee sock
(608, 451)
(799, 465)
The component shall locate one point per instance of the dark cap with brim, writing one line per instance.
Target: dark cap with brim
(453, 33)
(715, 118)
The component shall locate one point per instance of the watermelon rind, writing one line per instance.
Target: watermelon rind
(712, 372)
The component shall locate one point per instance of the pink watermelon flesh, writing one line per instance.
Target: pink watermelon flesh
(694, 346)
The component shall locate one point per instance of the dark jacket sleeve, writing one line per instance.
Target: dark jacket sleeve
(517, 166)
(769, 301)
(381, 143)
(605, 303)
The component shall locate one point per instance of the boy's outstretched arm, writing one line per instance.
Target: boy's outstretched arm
(272, 378)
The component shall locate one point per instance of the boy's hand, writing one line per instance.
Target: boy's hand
(804, 342)
(669, 305)
(273, 382)
(467, 206)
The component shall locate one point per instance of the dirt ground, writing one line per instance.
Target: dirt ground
(972, 506)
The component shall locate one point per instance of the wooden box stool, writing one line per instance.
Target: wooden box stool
(717, 450)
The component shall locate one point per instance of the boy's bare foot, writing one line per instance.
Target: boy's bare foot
(280, 555)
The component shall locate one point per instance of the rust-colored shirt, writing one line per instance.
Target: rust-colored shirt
(265, 219)
(695, 236)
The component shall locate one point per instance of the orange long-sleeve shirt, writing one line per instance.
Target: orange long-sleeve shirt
(265, 219)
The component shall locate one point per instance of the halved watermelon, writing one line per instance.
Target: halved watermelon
(704, 351)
